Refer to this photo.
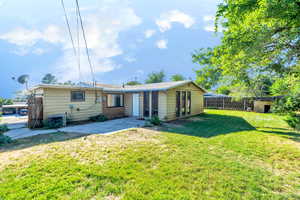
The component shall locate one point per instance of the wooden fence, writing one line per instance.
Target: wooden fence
(35, 112)
(229, 103)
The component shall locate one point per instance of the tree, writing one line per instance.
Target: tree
(4, 101)
(23, 79)
(259, 47)
(223, 90)
(49, 79)
(177, 77)
(209, 74)
(156, 77)
(133, 83)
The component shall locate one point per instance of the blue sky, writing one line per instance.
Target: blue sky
(127, 39)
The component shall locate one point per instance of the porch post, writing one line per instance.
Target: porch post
(150, 104)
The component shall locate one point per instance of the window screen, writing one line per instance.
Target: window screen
(77, 96)
(115, 100)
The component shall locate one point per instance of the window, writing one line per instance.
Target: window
(77, 96)
(115, 100)
(183, 111)
(154, 103)
(189, 102)
(177, 104)
(146, 104)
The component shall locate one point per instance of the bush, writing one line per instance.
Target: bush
(3, 128)
(5, 139)
(52, 124)
(293, 121)
(155, 120)
(98, 118)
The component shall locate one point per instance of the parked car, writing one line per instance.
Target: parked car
(23, 112)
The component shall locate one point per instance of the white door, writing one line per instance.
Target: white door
(135, 104)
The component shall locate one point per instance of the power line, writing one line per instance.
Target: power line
(85, 41)
(70, 33)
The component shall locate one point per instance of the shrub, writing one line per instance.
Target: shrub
(155, 120)
(5, 139)
(98, 118)
(52, 124)
(3, 128)
(293, 121)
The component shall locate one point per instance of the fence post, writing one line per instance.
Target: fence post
(223, 102)
(244, 104)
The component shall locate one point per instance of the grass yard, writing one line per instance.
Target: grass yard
(217, 155)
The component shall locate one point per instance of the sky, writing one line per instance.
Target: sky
(127, 39)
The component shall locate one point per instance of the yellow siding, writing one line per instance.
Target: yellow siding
(162, 105)
(58, 101)
(128, 104)
(196, 98)
(259, 106)
(141, 104)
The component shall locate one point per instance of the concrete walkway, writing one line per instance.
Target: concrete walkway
(106, 127)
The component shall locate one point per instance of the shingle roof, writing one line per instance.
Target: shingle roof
(149, 87)
(126, 88)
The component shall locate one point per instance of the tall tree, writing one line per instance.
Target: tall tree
(178, 77)
(23, 79)
(49, 79)
(156, 77)
(133, 83)
(260, 47)
(209, 74)
(4, 101)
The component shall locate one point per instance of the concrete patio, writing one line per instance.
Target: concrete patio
(107, 127)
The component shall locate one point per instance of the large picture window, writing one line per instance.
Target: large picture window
(115, 100)
(177, 103)
(77, 96)
(154, 103)
(183, 111)
(189, 102)
(146, 104)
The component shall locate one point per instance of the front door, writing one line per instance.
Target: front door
(136, 104)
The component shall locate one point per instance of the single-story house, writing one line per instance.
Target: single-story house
(167, 100)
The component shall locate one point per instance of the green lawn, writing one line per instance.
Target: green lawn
(218, 155)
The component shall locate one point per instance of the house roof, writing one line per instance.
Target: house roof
(56, 86)
(149, 87)
(125, 88)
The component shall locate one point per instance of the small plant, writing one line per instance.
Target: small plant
(155, 120)
(3, 128)
(5, 139)
(98, 118)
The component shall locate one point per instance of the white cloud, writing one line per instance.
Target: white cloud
(174, 16)
(149, 33)
(209, 28)
(102, 27)
(130, 59)
(162, 44)
(208, 18)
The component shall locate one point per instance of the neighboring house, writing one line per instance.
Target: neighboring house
(14, 108)
(167, 100)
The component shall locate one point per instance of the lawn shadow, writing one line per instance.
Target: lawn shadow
(209, 125)
(28, 142)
